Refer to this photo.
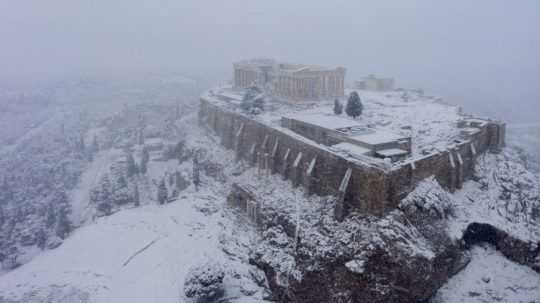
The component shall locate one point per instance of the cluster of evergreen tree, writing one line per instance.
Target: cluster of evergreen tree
(176, 183)
(87, 151)
(253, 100)
(109, 193)
(101, 196)
(354, 107)
(132, 169)
(58, 215)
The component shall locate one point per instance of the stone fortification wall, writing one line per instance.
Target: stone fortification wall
(302, 161)
(452, 166)
(357, 186)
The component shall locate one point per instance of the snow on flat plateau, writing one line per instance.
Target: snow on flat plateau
(136, 255)
(431, 124)
(490, 277)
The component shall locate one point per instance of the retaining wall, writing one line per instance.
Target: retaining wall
(370, 189)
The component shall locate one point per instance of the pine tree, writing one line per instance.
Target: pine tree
(162, 192)
(136, 198)
(64, 226)
(121, 182)
(171, 180)
(338, 107)
(144, 160)
(131, 168)
(41, 239)
(354, 106)
(106, 188)
(140, 130)
(179, 151)
(140, 136)
(51, 216)
(196, 173)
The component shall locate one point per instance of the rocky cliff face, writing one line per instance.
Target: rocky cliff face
(405, 256)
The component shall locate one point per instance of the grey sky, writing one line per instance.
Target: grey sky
(471, 52)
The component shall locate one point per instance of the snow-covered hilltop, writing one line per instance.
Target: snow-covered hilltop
(144, 204)
(370, 160)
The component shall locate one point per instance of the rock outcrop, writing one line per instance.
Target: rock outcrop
(403, 257)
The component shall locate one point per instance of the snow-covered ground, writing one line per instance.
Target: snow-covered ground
(431, 124)
(139, 255)
(490, 277)
(142, 254)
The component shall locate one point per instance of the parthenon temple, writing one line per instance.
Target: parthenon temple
(297, 82)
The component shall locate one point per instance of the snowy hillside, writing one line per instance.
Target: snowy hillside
(47, 146)
(527, 137)
(490, 277)
(140, 255)
(114, 215)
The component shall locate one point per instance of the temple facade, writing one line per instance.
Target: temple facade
(297, 82)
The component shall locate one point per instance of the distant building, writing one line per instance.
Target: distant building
(375, 84)
(291, 81)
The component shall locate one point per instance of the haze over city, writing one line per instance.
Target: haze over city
(471, 53)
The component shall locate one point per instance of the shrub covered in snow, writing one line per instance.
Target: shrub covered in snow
(338, 107)
(204, 283)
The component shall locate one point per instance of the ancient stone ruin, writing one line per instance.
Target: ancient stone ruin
(369, 164)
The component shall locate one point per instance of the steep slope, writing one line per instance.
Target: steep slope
(47, 165)
(143, 254)
(490, 277)
(138, 255)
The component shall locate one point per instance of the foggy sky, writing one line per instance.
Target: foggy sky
(471, 52)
